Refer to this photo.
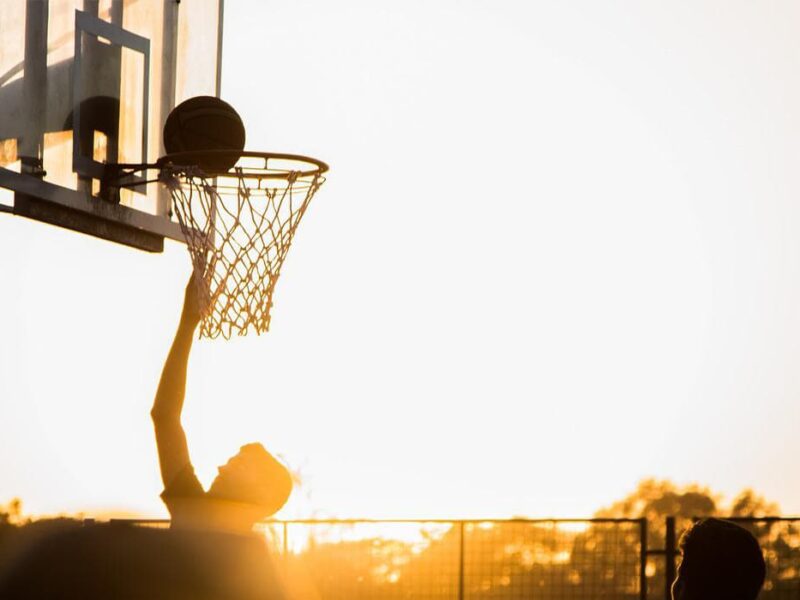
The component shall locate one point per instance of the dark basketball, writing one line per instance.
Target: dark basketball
(205, 123)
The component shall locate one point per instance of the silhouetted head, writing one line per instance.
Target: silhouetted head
(721, 561)
(253, 477)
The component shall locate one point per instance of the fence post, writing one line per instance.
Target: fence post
(642, 559)
(669, 557)
(461, 561)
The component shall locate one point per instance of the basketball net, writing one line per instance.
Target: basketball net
(238, 230)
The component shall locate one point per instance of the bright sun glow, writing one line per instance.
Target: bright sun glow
(557, 252)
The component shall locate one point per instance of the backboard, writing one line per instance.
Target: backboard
(87, 83)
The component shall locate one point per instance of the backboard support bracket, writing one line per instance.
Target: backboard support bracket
(53, 204)
(75, 220)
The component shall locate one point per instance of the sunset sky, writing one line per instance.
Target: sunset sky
(558, 252)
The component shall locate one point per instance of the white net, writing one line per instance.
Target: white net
(238, 229)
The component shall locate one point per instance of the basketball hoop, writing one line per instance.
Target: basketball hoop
(239, 224)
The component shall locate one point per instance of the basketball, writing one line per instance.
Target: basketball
(205, 123)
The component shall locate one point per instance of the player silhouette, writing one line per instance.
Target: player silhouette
(251, 486)
(721, 561)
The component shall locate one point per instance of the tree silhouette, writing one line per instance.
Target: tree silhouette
(509, 560)
(655, 500)
(779, 539)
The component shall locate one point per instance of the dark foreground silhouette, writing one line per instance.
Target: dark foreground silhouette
(721, 561)
(130, 563)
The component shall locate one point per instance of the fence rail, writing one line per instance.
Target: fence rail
(505, 559)
(485, 559)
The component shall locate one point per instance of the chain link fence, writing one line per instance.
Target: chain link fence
(463, 560)
(553, 559)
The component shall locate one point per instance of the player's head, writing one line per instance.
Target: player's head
(721, 561)
(254, 477)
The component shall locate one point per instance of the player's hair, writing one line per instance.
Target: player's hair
(721, 561)
(269, 484)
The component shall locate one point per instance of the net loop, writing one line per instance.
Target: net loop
(238, 228)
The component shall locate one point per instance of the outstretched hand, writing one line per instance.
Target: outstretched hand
(192, 303)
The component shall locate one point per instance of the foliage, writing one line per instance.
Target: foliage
(547, 560)
(655, 500)
(11, 513)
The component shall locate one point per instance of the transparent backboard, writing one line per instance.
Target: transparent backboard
(88, 83)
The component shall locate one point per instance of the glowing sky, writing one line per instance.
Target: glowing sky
(557, 252)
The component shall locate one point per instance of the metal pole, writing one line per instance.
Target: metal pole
(34, 87)
(669, 557)
(461, 561)
(285, 539)
(166, 95)
(220, 23)
(643, 559)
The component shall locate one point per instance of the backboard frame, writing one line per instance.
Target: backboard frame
(86, 23)
(43, 201)
(78, 206)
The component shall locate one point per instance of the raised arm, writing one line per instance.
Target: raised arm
(173, 451)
